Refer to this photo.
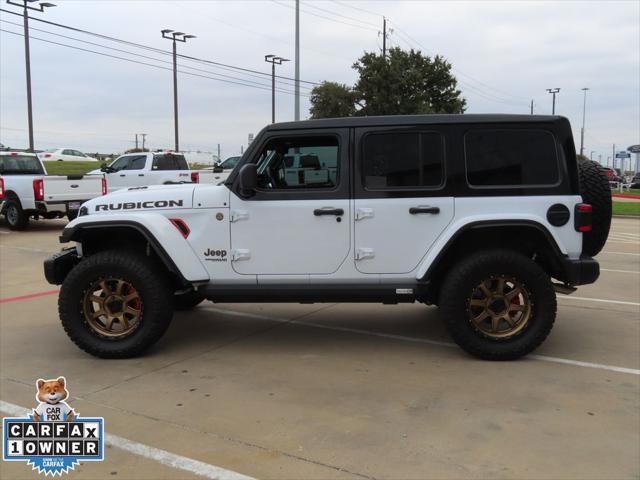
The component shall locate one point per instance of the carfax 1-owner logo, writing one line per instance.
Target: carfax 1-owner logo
(53, 439)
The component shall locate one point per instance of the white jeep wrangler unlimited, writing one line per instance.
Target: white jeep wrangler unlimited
(474, 213)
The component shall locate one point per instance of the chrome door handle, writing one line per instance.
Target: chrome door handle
(417, 210)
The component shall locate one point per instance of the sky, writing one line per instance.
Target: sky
(504, 54)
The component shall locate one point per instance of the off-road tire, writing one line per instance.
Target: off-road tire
(595, 190)
(187, 301)
(150, 282)
(467, 274)
(14, 215)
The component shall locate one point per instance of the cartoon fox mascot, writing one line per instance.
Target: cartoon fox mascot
(52, 407)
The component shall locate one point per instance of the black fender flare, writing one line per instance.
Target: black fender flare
(76, 233)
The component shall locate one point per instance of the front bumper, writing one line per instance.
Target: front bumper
(581, 271)
(58, 265)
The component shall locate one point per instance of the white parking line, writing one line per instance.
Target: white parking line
(169, 459)
(621, 253)
(619, 271)
(599, 300)
(544, 358)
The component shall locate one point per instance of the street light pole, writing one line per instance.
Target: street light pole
(591, 154)
(27, 57)
(553, 91)
(175, 37)
(274, 60)
(296, 112)
(584, 109)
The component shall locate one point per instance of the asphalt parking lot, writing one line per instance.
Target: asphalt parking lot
(339, 391)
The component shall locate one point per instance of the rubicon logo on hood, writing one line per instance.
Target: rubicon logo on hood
(136, 205)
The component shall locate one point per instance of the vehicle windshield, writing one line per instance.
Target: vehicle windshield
(230, 163)
(20, 165)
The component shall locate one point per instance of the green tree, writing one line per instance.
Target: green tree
(331, 99)
(402, 83)
(406, 82)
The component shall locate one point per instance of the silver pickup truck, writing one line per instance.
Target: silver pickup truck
(26, 191)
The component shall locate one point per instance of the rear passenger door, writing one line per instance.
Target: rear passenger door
(402, 199)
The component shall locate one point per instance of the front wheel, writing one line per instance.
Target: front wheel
(498, 305)
(115, 304)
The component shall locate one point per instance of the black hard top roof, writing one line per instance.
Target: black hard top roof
(415, 120)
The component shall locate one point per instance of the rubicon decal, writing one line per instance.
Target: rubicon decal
(54, 438)
(138, 205)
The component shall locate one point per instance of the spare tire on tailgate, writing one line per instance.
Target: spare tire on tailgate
(595, 190)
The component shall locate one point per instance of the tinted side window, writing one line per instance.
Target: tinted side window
(121, 163)
(169, 162)
(511, 158)
(67, 152)
(403, 160)
(181, 162)
(137, 163)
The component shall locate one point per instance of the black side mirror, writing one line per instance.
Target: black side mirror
(218, 169)
(105, 168)
(248, 179)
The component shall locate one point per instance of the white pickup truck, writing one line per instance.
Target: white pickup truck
(147, 168)
(26, 191)
(218, 173)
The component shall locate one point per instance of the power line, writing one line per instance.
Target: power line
(360, 9)
(353, 19)
(154, 49)
(257, 86)
(325, 17)
(400, 31)
(143, 56)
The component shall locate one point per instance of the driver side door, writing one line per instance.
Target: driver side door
(297, 223)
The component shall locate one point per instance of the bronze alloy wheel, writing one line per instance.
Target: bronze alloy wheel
(499, 307)
(112, 307)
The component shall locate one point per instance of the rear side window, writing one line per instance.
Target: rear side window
(403, 160)
(511, 158)
(170, 162)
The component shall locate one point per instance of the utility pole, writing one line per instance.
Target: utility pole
(591, 155)
(553, 91)
(273, 60)
(296, 113)
(175, 37)
(384, 37)
(144, 138)
(584, 109)
(613, 156)
(219, 159)
(531, 106)
(27, 57)
(136, 141)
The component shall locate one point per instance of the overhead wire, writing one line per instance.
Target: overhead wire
(158, 50)
(256, 86)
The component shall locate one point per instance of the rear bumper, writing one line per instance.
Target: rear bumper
(581, 271)
(58, 265)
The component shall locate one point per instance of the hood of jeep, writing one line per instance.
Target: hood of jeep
(158, 197)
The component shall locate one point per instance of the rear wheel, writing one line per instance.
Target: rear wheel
(498, 305)
(115, 304)
(15, 216)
